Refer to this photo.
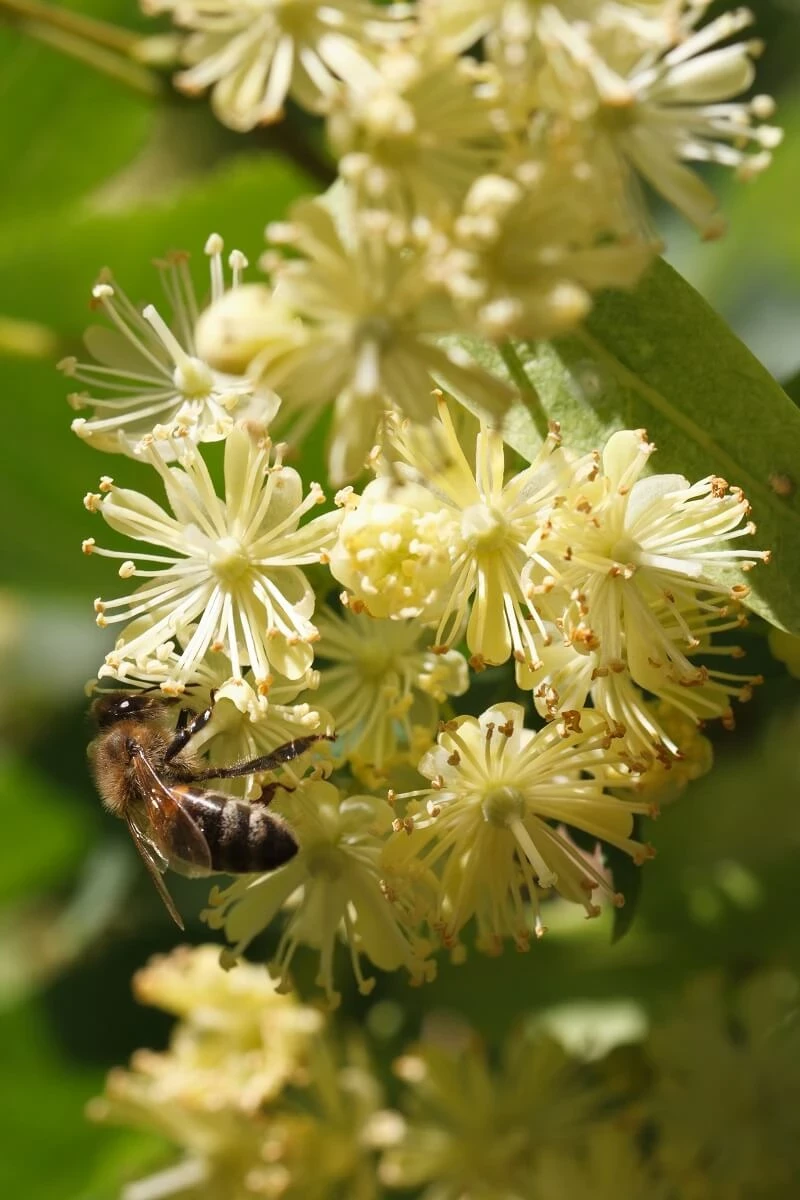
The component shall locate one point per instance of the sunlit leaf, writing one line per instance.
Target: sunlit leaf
(660, 358)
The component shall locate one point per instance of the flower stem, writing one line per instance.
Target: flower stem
(527, 389)
(104, 47)
(100, 33)
(525, 385)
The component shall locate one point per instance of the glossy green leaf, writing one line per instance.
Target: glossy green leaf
(661, 359)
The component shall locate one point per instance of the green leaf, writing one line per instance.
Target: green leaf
(661, 359)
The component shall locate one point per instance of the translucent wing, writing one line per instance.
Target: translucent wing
(153, 863)
(167, 822)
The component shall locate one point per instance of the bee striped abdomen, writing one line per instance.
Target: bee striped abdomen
(242, 837)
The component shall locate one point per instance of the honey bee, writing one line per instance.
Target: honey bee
(147, 775)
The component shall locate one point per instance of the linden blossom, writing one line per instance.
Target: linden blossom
(337, 880)
(637, 557)
(413, 127)
(650, 97)
(527, 252)
(485, 820)
(147, 377)
(255, 56)
(468, 529)
(355, 322)
(233, 567)
(481, 1126)
(385, 684)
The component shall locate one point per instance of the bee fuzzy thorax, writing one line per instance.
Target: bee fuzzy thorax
(111, 758)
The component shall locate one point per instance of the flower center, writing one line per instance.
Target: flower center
(483, 527)
(502, 805)
(625, 550)
(324, 860)
(229, 560)
(376, 330)
(193, 377)
(375, 662)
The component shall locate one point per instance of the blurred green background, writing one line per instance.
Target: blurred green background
(96, 174)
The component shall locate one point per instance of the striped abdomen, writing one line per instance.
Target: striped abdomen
(241, 837)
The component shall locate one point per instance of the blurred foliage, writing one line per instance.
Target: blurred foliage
(88, 181)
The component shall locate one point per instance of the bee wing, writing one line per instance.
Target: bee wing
(172, 825)
(152, 860)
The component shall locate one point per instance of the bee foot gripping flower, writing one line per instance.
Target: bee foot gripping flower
(148, 377)
(337, 878)
(233, 564)
(249, 721)
(491, 820)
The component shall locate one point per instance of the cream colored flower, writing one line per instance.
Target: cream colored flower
(323, 1146)
(234, 1023)
(528, 250)
(458, 24)
(414, 128)
(355, 323)
(610, 1166)
(650, 107)
(237, 1045)
(230, 580)
(478, 1130)
(491, 821)
(488, 521)
(147, 376)
(335, 886)
(394, 549)
(256, 53)
(661, 738)
(384, 684)
(640, 558)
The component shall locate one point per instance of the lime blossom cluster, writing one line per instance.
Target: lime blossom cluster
(262, 1095)
(593, 583)
(490, 159)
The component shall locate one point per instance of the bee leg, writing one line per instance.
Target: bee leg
(188, 725)
(268, 762)
(268, 793)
